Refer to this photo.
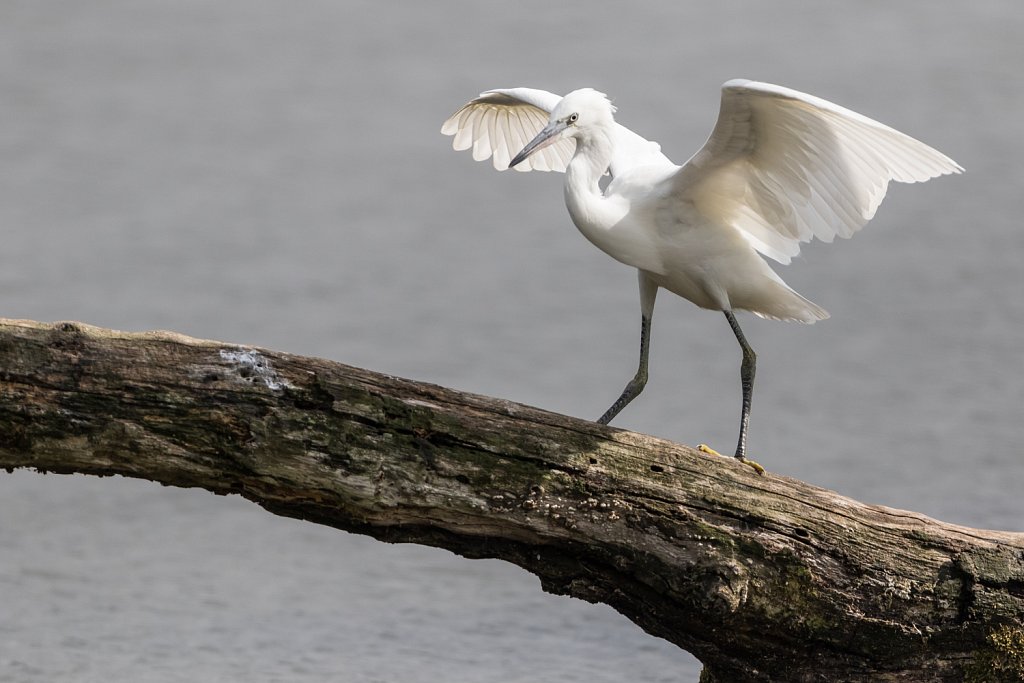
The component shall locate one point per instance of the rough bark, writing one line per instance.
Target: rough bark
(762, 578)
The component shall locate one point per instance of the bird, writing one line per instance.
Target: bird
(779, 168)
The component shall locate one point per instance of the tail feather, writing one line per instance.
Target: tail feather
(783, 303)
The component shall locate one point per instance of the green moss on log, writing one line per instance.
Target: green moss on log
(1002, 661)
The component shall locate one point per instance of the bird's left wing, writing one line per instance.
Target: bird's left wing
(782, 167)
(499, 123)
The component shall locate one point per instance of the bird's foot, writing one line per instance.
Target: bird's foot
(704, 448)
(750, 463)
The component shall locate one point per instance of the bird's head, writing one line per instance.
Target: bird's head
(578, 113)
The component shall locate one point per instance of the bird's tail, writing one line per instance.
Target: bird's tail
(783, 303)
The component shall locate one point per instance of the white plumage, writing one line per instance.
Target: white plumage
(779, 168)
(501, 122)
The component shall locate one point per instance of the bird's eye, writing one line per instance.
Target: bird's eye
(573, 118)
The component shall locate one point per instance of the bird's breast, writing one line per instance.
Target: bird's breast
(618, 227)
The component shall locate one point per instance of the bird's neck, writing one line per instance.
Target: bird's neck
(602, 217)
(587, 203)
(591, 159)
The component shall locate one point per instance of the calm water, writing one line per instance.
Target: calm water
(272, 173)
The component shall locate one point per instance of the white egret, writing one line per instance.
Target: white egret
(779, 168)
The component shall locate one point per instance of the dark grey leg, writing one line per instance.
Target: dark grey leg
(635, 385)
(747, 379)
(648, 293)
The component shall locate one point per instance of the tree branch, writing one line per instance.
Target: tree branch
(762, 578)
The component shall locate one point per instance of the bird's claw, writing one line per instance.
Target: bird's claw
(704, 448)
(750, 463)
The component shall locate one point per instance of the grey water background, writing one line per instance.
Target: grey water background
(271, 173)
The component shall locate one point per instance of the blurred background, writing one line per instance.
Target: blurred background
(271, 173)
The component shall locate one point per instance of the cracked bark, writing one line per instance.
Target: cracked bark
(761, 578)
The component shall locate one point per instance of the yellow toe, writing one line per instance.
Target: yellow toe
(755, 466)
(704, 448)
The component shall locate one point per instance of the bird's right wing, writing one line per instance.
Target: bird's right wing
(499, 123)
(782, 167)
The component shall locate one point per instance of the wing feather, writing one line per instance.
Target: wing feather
(783, 167)
(499, 123)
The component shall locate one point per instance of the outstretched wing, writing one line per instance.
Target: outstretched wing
(499, 123)
(783, 167)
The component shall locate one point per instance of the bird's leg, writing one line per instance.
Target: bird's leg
(747, 369)
(648, 293)
(635, 385)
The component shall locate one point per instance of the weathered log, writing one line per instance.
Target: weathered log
(763, 578)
